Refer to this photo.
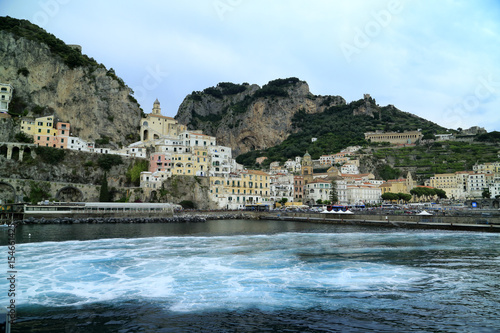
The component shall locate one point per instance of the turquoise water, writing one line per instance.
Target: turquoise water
(253, 276)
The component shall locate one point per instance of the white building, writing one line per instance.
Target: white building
(6, 91)
(153, 180)
(326, 159)
(367, 193)
(349, 168)
(197, 139)
(221, 161)
(293, 166)
(315, 190)
(281, 186)
(75, 143)
(476, 184)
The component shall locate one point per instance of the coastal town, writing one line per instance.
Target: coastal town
(173, 150)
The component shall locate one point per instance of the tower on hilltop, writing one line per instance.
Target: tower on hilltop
(156, 108)
(155, 126)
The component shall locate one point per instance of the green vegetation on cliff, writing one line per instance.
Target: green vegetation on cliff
(337, 128)
(23, 28)
(438, 157)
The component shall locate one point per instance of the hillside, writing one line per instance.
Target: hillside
(280, 119)
(248, 117)
(50, 77)
(431, 158)
(338, 127)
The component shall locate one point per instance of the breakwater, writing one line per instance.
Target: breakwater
(475, 222)
(191, 217)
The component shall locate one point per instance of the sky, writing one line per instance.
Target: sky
(436, 59)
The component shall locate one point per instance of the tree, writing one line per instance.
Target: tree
(134, 171)
(283, 201)
(389, 196)
(440, 193)
(106, 161)
(404, 196)
(486, 193)
(334, 196)
(104, 195)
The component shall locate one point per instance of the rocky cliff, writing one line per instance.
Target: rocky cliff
(50, 77)
(248, 117)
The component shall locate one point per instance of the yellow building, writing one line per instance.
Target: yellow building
(394, 137)
(401, 185)
(46, 131)
(492, 167)
(28, 126)
(156, 125)
(239, 189)
(454, 184)
(188, 164)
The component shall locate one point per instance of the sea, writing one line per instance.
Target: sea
(249, 276)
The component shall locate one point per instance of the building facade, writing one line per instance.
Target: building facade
(394, 137)
(6, 92)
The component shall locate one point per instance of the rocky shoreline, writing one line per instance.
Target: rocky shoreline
(195, 218)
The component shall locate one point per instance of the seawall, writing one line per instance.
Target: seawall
(470, 223)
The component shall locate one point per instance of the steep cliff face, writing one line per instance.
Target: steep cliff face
(92, 99)
(247, 117)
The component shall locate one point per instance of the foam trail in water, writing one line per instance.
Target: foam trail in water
(296, 270)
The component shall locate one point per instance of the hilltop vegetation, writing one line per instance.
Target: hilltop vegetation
(437, 157)
(23, 28)
(93, 99)
(337, 128)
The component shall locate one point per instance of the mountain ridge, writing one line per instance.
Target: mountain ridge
(50, 77)
(254, 120)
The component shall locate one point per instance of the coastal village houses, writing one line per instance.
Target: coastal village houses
(173, 150)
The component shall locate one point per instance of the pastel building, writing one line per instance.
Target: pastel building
(318, 189)
(220, 160)
(298, 185)
(282, 186)
(47, 132)
(6, 91)
(75, 143)
(409, 137)
(159, 161)
(366, 193)
(156, 125)
(241, 188)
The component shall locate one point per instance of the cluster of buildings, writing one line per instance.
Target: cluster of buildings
(469, 184)
(174, 150)
(49, 132)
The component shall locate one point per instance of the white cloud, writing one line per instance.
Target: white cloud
(426, 58)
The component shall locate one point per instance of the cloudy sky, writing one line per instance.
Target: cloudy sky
(437, 59)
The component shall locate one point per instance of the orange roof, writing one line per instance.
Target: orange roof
(257, 172)
(159, 116)
(396, 180)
